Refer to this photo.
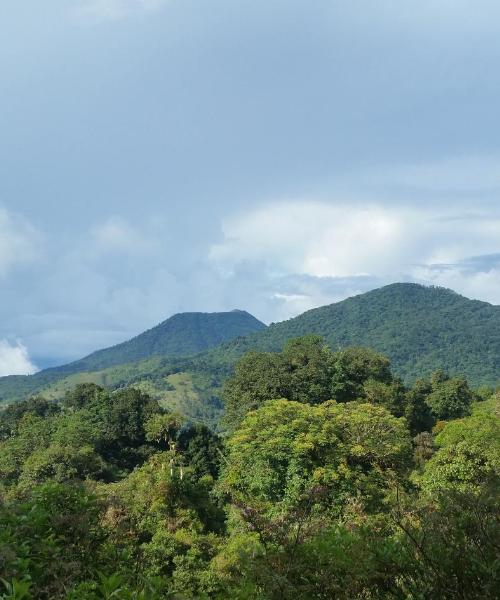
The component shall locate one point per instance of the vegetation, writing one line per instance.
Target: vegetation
(334, 480)
(420, 329)
(181, 335)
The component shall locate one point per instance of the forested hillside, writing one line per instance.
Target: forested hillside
(180, 335)
(335, 480)
(419, 328)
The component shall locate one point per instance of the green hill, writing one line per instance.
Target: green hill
(421, 329)
(181, 335)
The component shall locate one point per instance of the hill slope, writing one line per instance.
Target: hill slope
(180, 335)
(421, 329)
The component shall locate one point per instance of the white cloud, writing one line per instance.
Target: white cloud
(19, 242)
(14, 360)
(478, 279)
(116, 9)
(325, 240)
(319, 239)
(276, 261)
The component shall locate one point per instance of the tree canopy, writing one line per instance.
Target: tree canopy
(334, 480)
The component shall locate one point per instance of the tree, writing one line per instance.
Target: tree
(124, 415)
(448, 543)
(468, 455)
(352, 368)
(293, 471)
(307, 367)
(307, 371)
(451, 397)
(285, 450)
(12, 414)
(62, 464)
(417, 411)
(82, 395)
(202, 450)
(53, 539)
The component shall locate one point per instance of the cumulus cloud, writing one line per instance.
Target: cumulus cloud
(19, 242)
(116, 9)
(97, 289)
(14, 360)
(276, 261)
(344, 242)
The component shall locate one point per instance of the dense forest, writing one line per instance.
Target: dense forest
(330, 478)
(420, 328)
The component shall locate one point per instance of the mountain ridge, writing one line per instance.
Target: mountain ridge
(420, 328)
(199, 331)
(181, 334)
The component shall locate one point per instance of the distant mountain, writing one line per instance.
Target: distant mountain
(421, 329)
(181, 335)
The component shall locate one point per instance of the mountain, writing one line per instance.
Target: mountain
(181, 335)
(421, 329)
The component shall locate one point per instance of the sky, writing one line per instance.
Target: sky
(161, 156)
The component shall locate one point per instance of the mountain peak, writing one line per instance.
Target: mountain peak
(420, 328)
(181, 334)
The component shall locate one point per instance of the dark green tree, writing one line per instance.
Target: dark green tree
(450, 398)
(352, 368)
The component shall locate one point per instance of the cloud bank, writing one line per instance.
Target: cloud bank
(275, 260)
(344, 242)
(163, 156)
(14, 360)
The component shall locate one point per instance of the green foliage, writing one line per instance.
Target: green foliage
(450, 398)
(468, 455)
(352, 368)
(82, 395)
(106, 434)
(181, 335)
(51, 539)
(449, 544)
(16, 590)
(360, 497)
(417, 411)
(307, 371)
(286, 452)
(12, 415)
(202, 450)
(420, 329)
(162, 428)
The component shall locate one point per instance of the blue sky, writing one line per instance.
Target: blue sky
(159, 156)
